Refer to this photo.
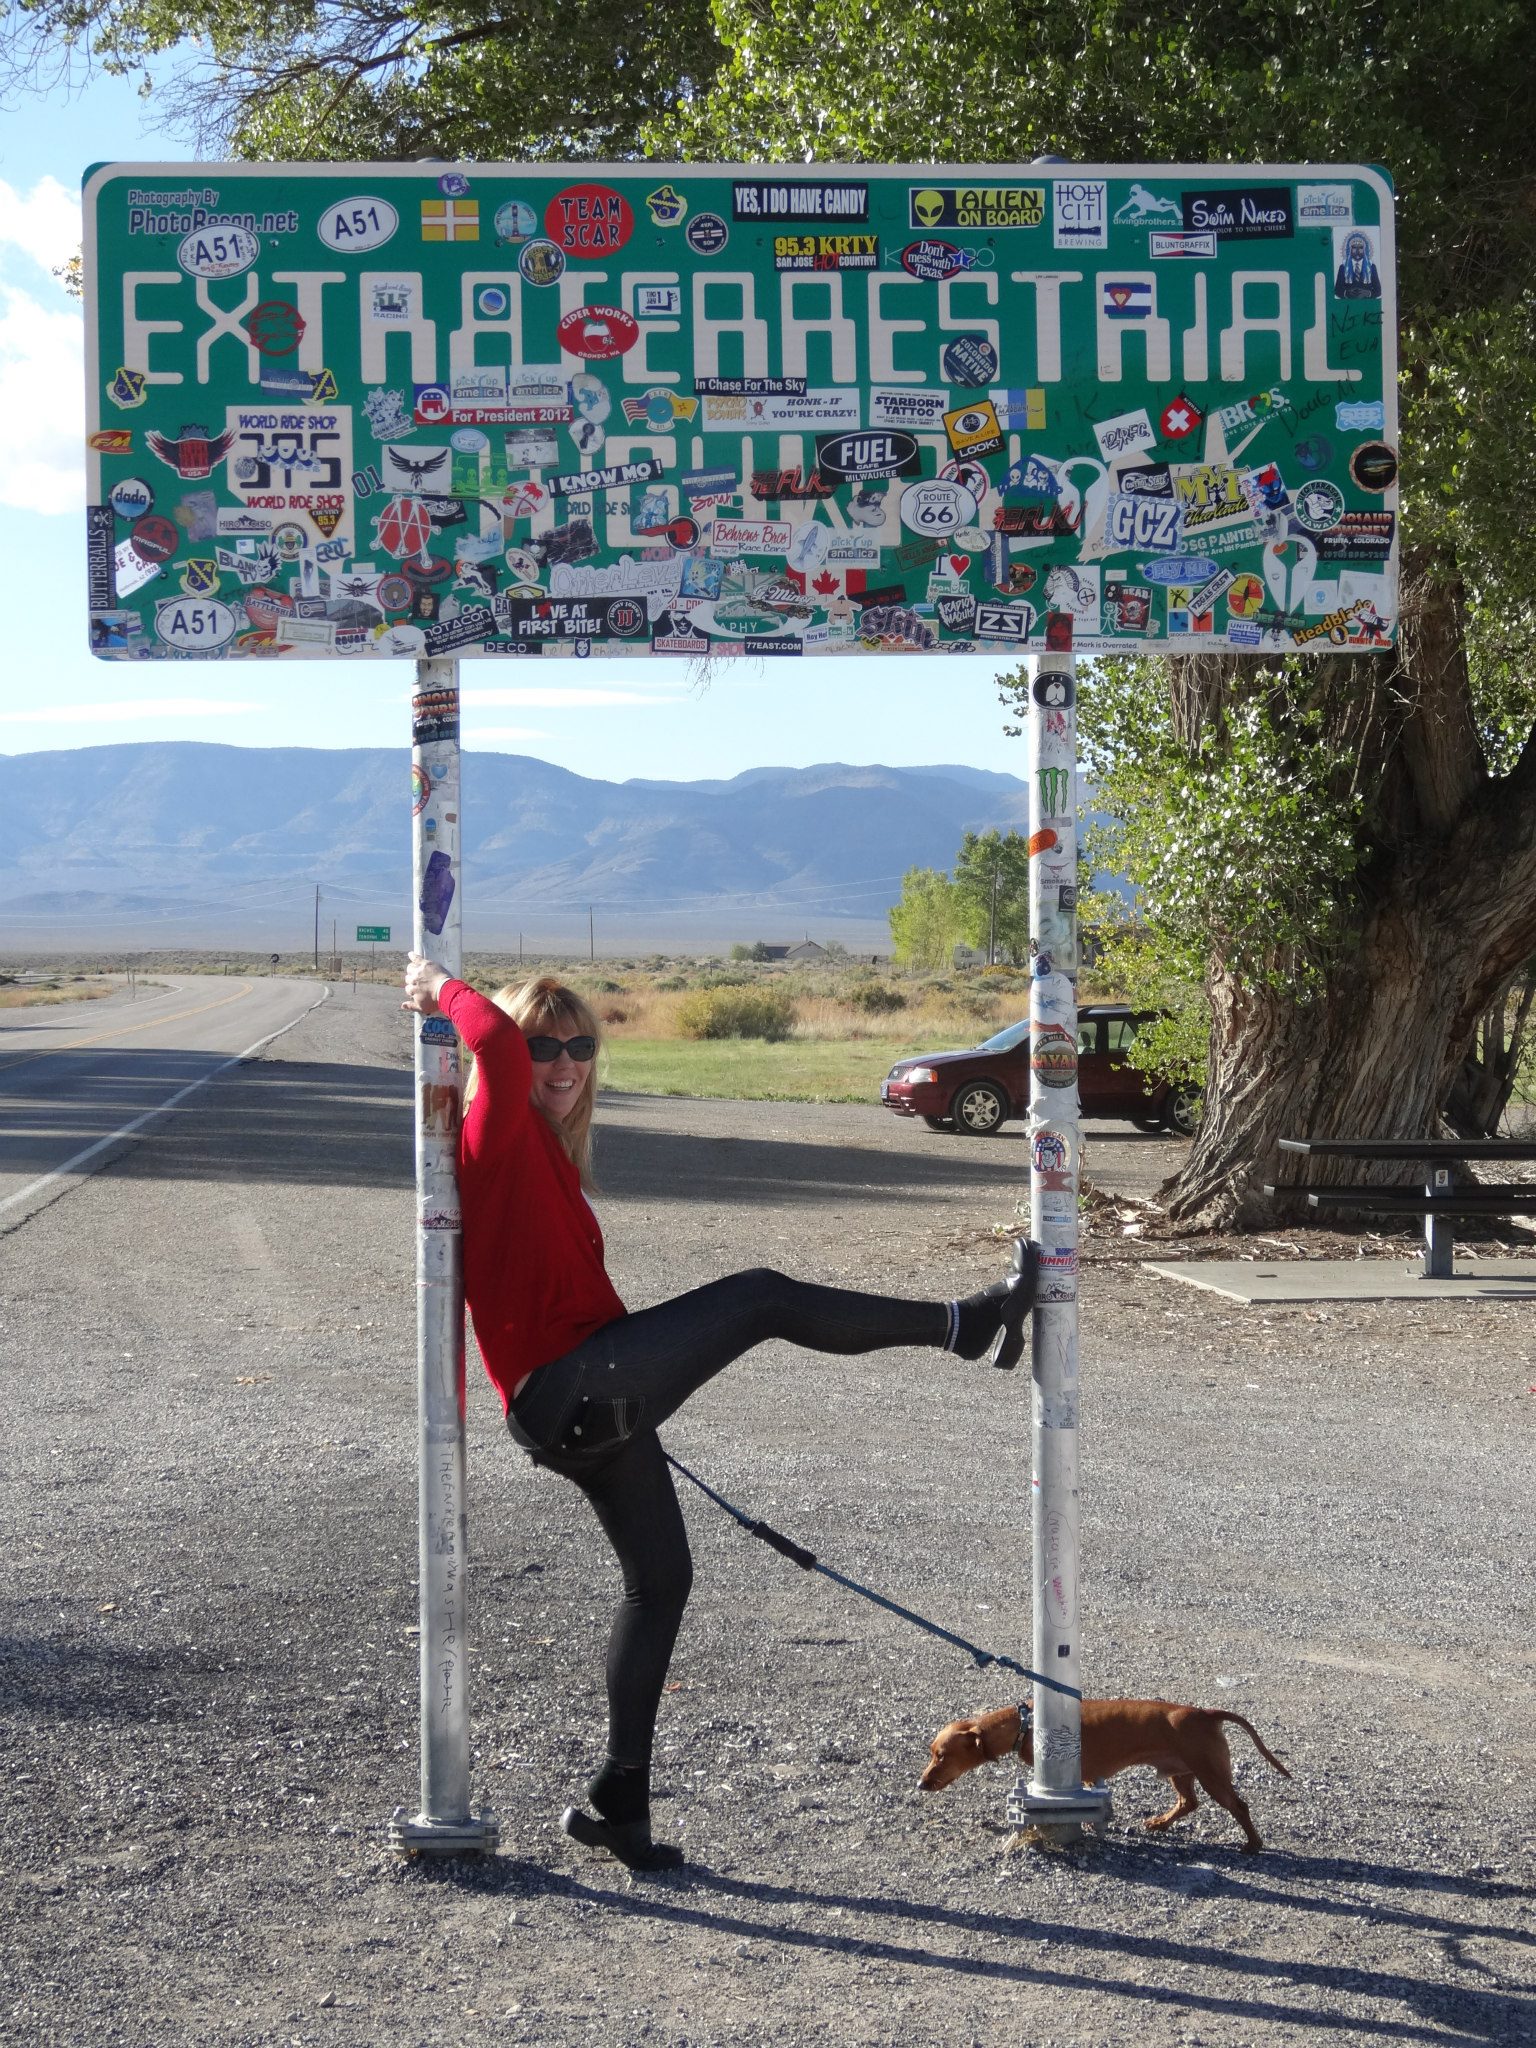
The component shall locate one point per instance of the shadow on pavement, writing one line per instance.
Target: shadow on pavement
(1474, 2015)
(334, 1125)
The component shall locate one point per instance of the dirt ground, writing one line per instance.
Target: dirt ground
(1320, 1518)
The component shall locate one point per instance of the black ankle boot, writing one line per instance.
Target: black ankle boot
(629, 1841)
(1008, 1344)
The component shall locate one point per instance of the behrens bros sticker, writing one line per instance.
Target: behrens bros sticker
(364, 411)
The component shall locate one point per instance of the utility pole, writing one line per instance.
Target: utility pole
(992, 934)
(519, 949)
(317, 927)
(591, 940)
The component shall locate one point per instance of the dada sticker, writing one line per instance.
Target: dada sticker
(357, 224)
(196, 625)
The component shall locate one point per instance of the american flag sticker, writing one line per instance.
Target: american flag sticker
(1128, 299)
(450, 220)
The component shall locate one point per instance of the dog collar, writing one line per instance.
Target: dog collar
(1026, 1715)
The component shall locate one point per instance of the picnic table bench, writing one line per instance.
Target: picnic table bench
(1436, 1201)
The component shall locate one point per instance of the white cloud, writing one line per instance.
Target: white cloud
(43, 223)
(42, 400)
(42, 353)
(130, 710)
(535, 699)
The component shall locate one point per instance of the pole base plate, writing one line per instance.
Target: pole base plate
(418, 1835)
(1089, 1806)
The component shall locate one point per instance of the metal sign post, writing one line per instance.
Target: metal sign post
(445, 1825)
(1054, 1797)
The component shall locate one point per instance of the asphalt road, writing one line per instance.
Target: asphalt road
(208, 1681)
(74, 1076)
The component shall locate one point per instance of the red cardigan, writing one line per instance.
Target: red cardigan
(533, 1253)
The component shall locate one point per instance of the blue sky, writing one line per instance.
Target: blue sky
(611, 720)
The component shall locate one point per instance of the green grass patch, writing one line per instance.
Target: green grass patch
(751, 1070)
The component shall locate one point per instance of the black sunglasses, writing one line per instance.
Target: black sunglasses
(543, 1050)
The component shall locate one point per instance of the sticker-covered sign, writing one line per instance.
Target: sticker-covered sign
(537, 410)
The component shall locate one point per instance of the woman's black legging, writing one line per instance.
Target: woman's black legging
(593, 1414)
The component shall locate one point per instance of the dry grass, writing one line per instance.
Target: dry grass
(930, 1018)
(35, 994)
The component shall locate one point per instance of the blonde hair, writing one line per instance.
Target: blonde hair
(547, 1007)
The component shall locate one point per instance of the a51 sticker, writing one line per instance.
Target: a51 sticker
(195, 625)
(357, 224)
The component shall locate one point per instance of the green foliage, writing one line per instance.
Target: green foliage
(1440, 95)
(1244, 842)
(992, 877)
(366, 80)
(926, 923)
(731, 1013)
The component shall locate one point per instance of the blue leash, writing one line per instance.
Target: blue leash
(809, 1562)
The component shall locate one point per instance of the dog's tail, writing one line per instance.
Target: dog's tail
(1221, 1714)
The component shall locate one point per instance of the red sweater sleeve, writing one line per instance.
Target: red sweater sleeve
(501, 1057)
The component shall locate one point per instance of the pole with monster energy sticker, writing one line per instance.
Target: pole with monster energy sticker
(1054, 1799)
(445, 1826)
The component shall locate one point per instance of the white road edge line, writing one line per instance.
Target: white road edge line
(101, 1144)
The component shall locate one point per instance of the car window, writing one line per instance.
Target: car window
(1088, 1035)
(1121, 1031)
(1006, 1040)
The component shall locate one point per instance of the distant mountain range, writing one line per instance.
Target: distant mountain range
(178, 844)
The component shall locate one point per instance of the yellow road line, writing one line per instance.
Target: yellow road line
(127, 1031)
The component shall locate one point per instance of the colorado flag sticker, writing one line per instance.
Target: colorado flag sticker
(1126, 300)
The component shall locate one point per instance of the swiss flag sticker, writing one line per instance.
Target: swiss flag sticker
(1180, 418)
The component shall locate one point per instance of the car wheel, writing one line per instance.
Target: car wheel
(1182, 1110)
(979, 1109)
(939, 1123)
(1147, 1123)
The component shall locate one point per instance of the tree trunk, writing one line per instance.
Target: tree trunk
(1448, 918)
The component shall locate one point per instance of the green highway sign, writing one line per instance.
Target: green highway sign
(342, 411)
(373, 934)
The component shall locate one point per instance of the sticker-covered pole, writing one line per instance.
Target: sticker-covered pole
(444, 1826)
(1054, 1798)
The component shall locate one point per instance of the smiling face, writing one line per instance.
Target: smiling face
(558, 1085)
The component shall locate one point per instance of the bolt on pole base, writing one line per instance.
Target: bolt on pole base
(416, 1835)
(1055, 1820)
(1029, 1804)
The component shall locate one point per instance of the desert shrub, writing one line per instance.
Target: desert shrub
(613, 1015)
(736, 1013)
(877, 998)
(671, 984)
(972, 1003)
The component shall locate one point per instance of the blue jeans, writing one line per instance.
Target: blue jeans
(593, 1415)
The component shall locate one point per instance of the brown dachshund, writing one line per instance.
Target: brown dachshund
(1185, 1743)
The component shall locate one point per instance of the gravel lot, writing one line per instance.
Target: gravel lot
(1321, 1518)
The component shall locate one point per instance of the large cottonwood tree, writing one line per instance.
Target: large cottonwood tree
(1351, 841)
(1348, 843)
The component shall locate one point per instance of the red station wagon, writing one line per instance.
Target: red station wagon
(978, 1091)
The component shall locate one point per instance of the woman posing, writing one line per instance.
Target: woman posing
(586, 1384)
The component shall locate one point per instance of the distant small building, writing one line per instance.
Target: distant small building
(771, 953)
(806, 950)
(970, 956)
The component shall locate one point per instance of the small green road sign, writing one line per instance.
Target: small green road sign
(373, 934)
